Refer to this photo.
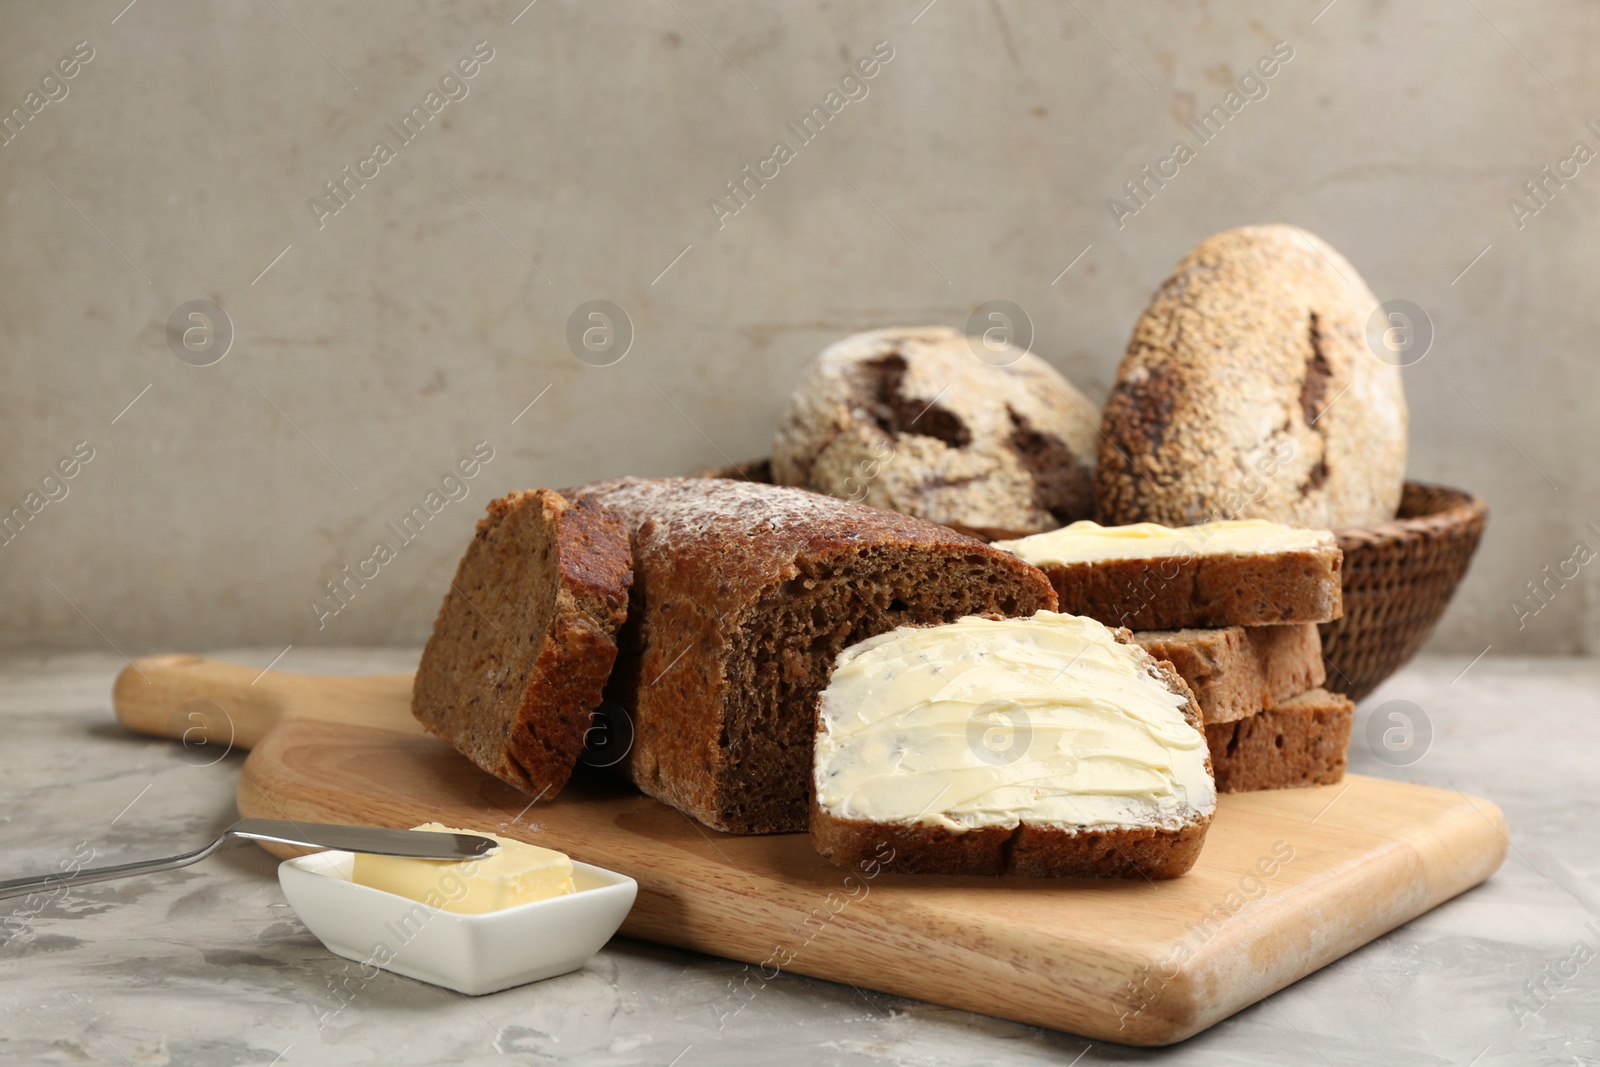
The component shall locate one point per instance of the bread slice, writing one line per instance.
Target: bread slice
(526, 637)
(1303, 741)
(1045, 746)
(743, 596)
(1149, 577)
(1237, 671)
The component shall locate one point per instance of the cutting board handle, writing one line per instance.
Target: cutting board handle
(212, 705)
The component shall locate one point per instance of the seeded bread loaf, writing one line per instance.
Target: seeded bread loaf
(1303, 741)
(1045, 746)
(1249, 390)
(526, 637)
(1236, 671)
(1156, 578)
(913, 420)
(743, 595)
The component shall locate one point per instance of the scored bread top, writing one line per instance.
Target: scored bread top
(1052, 720)
(1250, 389)
(914, 419)
(526, 637)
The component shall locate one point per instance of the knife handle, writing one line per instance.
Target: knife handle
(17, 887)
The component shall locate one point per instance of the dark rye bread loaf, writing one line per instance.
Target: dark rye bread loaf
(525, 639)
(1178, 592)
(1237, 671)
(743, 596)
(1040, 851)
(1303, 741)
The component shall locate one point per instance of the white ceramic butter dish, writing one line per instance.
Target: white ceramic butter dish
(473, 954)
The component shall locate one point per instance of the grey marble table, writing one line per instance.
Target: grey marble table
(207, 965)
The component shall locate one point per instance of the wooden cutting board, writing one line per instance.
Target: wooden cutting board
(1289, 880)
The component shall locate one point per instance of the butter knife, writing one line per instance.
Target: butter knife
(420, 844)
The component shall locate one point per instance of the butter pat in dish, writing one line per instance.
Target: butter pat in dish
(1048, 745)
(472, 952)
(515, 873)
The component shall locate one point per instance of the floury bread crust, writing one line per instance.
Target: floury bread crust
(1025, 849)
(1249, 391)
(911, 420)
(525, 639)
(743, 596)
(1236, 671)
(1302, 742)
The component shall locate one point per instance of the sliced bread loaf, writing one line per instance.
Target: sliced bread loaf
(1151, 577)
(1236, 671)
(526, 637)
(743, 596)
(1303, 741)
(1049, 745)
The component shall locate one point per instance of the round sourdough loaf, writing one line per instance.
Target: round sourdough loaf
(911, 420)
(526, 637)
(1249, 391)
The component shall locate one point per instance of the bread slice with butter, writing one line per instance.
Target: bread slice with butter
(526, 637)
(1049, 746)
(1151, 577)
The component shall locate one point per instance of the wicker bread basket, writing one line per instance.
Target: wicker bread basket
(1399, 577)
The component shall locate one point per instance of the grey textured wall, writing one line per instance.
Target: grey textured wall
(373, 348)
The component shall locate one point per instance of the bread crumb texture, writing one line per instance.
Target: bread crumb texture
(526, 637)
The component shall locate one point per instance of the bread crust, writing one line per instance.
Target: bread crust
(909, 419)
(1236, 671)
(1302, 742)
(1249, 390)
(526, 638)
(1179, 592)
(1038, 851)
(720, 694)
(1029, 851)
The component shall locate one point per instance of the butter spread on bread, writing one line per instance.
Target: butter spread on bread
(1047, 720)
(1150, 577)
(1089, 542)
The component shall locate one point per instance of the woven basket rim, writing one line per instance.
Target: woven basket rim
(1462, 512)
